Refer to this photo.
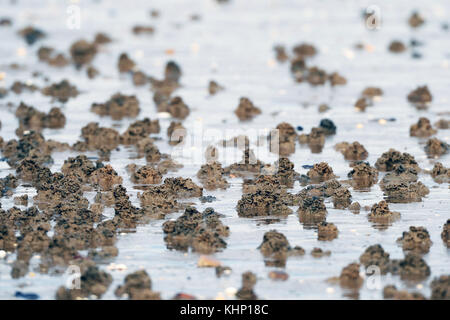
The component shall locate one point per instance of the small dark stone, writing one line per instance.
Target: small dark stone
(328, 126)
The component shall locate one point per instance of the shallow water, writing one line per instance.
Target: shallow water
(233, 44)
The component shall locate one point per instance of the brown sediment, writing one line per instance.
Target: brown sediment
(47, 54)
(362, 103)
(168, 165)
(158, 201)
(399, 174)
(163, 89)
(440, 288)
(93, 282)
(82, 52)
(436, 148)
(263, 182)
(80, 166)
(413, 268)
(440, 173)
(140, 78)
(336, 79)
(137, 286)
(211, 175)
(286, 137)
(304, 50)
(320, 172)
(102, 38)
(20, 200)
(445, 234)
(400, 185)
(416, 240)
(363, 176)
(397, 47)
(389, 160)
(176, 133)
(125, 64)
(342, 198)
(416, 20)
(214, 87)
(420, 96)
(404, 192)
(29, 171)
(326, 189)
(263, 203)
(355, 207)
(97, 137)
(312, 210)
(7, 184)
(381, 215)
(92, 72)
(280, 53)
(442, 124)
(146, 175)
(118, 107)
(315, 139)
(162, 199)
(391, 292)
(246, 110)
(352, 151)
(350, 278)
(105, 178)
(126, 215)
(146, 148)
(183, 188)
(376, 256)
(323, 108)
(202, 232)
(62, 91)
(422, 129)
(138, 30)
(285, 172)
(318, 253)
(32, 119)
(276, 249)
(18, 87)
(326, 231)
(313, 75)
(222, 270)
(139, 130)
(278, 275)
(176, 107)
(31, 146)
(248, 283)
(372, 92)
(249, 165)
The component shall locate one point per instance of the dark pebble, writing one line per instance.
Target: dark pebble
(28, 296)
(207, 199)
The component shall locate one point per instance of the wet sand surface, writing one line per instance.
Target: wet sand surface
(232, 43)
